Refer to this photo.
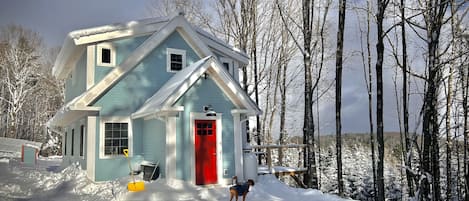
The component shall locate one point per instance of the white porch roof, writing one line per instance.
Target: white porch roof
(175, 87)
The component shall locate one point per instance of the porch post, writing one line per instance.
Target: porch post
(170, 148)
(91, 147)
(238, 145)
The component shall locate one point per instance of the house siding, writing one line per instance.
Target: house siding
(129, 94)
(154, 143)
(68, 158)
(75, 84)
(204, 92)
(143, 81)
(123, 49)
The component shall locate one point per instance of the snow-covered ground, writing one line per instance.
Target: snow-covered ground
(48, 181)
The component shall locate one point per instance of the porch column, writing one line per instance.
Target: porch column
(238, 144)
(170, 148)
(90, 147)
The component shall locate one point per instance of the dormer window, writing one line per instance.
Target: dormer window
(227, 64)
(176, 60)
(106, 55)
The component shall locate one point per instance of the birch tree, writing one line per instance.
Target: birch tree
(20, 64)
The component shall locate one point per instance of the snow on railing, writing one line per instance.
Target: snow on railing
(278, 170)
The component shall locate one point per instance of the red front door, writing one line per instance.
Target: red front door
(205, 152)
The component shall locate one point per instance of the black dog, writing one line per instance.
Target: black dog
(240, 189)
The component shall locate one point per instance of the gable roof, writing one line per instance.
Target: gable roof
(75, 42)
(177, 86)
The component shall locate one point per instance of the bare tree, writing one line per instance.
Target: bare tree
(338, 93)
(382, 5)
(20, 64)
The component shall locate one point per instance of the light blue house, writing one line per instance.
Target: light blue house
(165, 90)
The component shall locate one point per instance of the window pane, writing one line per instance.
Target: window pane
(124, 143)
(108, 133)
(106, 55)
(209, 125)
(116, 134)
(108, 150)
(108, 143)
(108, 126)
(227, 66)
(176, 66)
(176, 58)
(116, 126)
(124, 126)
(124, 134)
(209, 132)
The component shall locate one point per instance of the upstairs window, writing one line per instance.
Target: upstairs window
(227, 63)
(106, 55)
(176, 60)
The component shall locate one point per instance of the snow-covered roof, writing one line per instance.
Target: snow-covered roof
(76, 41)
(175, 87)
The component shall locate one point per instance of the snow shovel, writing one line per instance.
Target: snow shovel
(133, 186)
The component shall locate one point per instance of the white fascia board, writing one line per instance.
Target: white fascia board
(189, 35)
(221, 46)
(230, 52)
(118, 30)
(81, 108)
(66, 60)
(134, 32)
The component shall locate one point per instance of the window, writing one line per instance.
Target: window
(116, 138)
(65, 144)
(106, 55)
(73, 136)
(176, 60)
(205, 128)
(227, 64)
(82, 139)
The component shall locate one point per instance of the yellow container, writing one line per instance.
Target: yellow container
(136, 186)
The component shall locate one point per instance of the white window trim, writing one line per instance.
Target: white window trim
(203, 116)
(170, 51)
(230, 64)
(100, 47)
(115, 119)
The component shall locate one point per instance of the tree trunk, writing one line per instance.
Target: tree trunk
(408, 150)
(310, 178)
(382, 4)
(338, 94)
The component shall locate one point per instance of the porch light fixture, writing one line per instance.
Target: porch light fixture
(205, 76)
(209, 112)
